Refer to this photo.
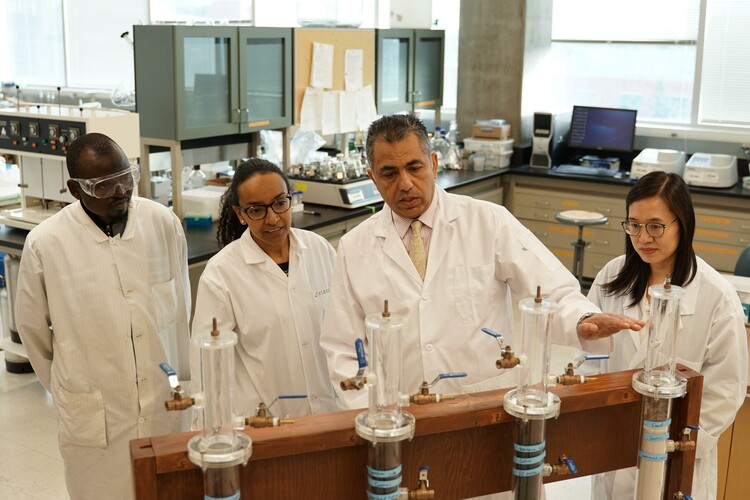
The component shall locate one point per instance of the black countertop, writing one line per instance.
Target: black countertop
(736, 191)
(202, 244)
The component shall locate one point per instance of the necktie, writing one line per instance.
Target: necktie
(416, 249)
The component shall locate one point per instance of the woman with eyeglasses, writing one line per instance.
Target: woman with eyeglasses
(269, 284)
(711, 339)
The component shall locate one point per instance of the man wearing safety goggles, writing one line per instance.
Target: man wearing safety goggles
(103, 297)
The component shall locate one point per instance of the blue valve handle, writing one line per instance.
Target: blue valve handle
(693, 427)
(360, 347)
(174, 382)
(491, 333)
(571, 465)
(292, 396)
(590, 357)
(447, 375)
(687, 497)
(167, 369)
(425, 467)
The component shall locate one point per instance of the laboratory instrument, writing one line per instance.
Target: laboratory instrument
(39, 135)
(657, 160)
(711, 170)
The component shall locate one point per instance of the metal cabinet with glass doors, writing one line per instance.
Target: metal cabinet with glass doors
(194, 82)
(409, 69)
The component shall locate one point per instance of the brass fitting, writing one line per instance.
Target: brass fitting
(353, 383)
(570, 378)
(423, 486)
(508, 359)
(424, 397)
(684, 444)
(178, 402)
(560, 468)
(263, 419)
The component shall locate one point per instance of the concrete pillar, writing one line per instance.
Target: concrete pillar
(501, 49)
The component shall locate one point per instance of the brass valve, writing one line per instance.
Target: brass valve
(263, 416)
(565, 466)
(570, 378)
(508, 359)
(685, 443)
(424, 397)
(178, 402)
(423, 486)
(360, 379)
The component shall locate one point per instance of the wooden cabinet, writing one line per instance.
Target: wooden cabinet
(194, 82)
(722, 227)
(409, 69)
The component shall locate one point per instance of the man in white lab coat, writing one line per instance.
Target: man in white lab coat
(476, 255)
(103, 298)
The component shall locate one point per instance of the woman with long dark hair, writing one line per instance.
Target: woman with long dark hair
(269, 284)
(659, 226)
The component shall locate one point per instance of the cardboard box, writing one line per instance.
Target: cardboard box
(501, 132)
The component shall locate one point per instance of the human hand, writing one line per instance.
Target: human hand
(606, 324)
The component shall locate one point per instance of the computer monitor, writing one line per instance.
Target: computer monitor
(602, 129)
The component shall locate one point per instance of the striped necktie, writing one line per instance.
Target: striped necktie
(416, 249)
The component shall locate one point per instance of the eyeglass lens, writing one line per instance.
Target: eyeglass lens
(654, 229)
(257, 212)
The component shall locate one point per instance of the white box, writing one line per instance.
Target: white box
(488, 145)
(204, 200)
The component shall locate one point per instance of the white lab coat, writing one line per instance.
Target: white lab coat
(479, 253)
(277, 319)
(711, 341)
(97, 315)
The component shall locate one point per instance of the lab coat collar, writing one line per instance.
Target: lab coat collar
(95, 232)
(253, 254)
(442, 233)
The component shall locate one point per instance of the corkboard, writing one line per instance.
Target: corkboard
(342, 40)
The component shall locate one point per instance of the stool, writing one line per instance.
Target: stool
(580, 218)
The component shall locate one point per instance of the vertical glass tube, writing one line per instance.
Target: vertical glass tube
(215, 417)
(384, 375)
(383, 470)
(652, 455)
(533, 351)
(528, 459)
(222, 484)
(662, 335)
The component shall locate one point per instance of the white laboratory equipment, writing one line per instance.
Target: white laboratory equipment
(655, 160)
(711, 170)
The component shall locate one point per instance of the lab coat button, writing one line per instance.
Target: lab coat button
(428, 347)
(141, 420)
(425, 297)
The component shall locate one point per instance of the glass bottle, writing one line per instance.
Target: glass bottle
(197, 178)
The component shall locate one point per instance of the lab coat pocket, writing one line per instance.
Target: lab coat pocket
(165, 303)
(81, 418)
(471, 292)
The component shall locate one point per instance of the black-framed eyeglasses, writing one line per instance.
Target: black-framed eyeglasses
(258, 212)
(654, 229)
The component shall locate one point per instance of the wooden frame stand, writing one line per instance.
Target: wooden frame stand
(467, 442)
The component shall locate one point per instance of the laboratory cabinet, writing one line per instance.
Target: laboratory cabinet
(722, 224)
(409, 69)
(195, 82)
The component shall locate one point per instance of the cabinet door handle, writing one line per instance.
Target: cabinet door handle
(743, 240)
(63, 190)
(605, 210)
(239, 115)
(542, 203)
(744, 227)
(601, 242)
(23, 185)
(543, 216)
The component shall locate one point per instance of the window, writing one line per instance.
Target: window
(646, 55)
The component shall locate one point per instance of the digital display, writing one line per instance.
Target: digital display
(602, 129)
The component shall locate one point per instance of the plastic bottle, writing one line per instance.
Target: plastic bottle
(197, 178)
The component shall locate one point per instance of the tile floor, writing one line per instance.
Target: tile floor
(30, 463)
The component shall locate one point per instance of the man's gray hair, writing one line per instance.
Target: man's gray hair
(395, 128)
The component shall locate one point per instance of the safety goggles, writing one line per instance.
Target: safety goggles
(106, 186)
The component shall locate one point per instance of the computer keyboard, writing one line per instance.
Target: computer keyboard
(581, 170)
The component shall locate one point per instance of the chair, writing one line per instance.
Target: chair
(742, 268)
(581, 219)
